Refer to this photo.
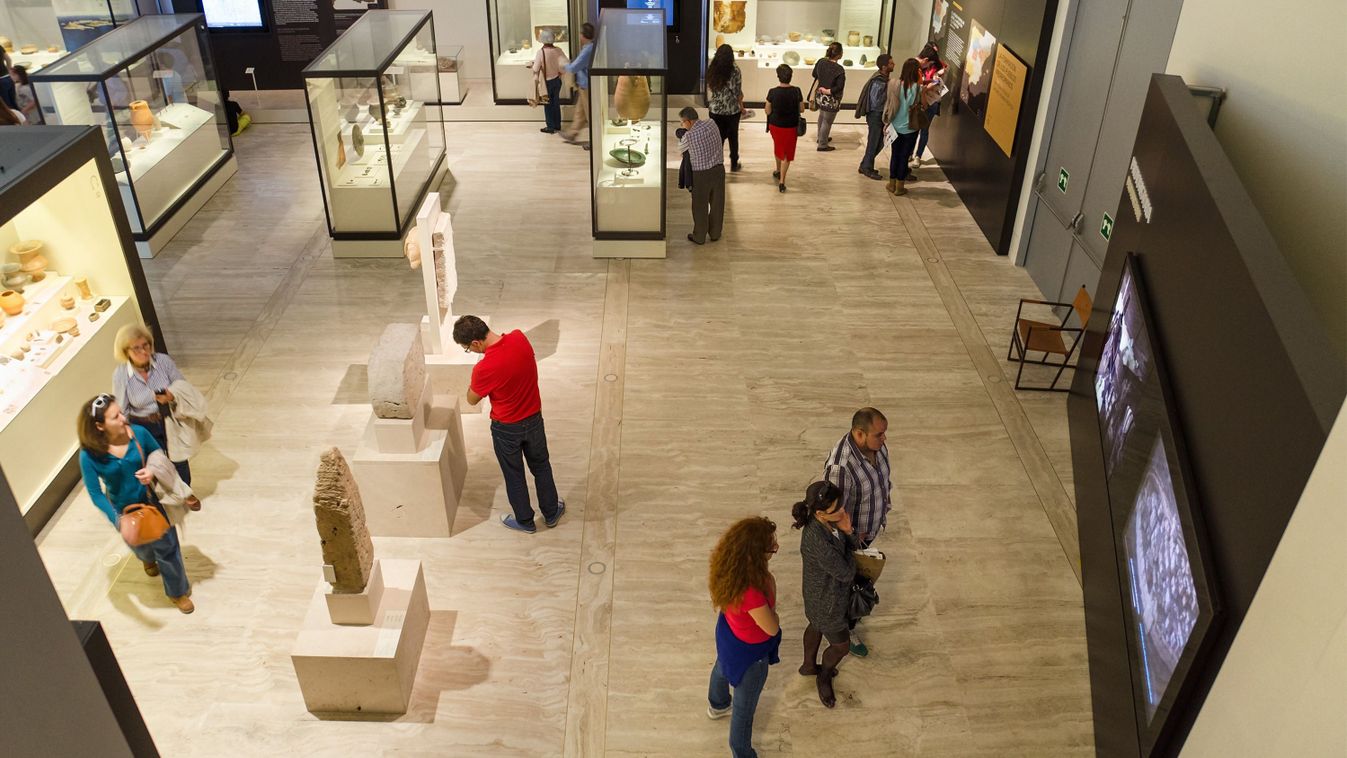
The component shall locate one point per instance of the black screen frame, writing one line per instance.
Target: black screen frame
(263, 10)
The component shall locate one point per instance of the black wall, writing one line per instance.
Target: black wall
(1255, 382)
(986, 179)
(683, 46)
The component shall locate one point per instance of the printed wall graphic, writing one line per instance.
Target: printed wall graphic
(938, 18)
(977, 71)
(1003, 103)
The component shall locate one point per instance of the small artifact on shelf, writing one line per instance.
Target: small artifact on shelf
(869, 41)
(31, 260)
(632, 97)
(11, 302)
(52, 48)
(729, 16)
(827, 39)
(82, 282)
(102, 305)
(720, 40)
(627, 156)
(446, 65)
(809, 37)
(93, 316)
(358, 140)
(829, 32)
(66, 326)
(791, 58)
(526, 44)
(28, 49)
(793, 36)
(864, 60)
(341, 151)
(68, 302)
(847, 62)
(854, 39)
(352, 113)
(7, 44)
(810, 61)
(142, 119)
(514, 49)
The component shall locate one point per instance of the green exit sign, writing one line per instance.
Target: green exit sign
(1062, 178)
(1106, 228)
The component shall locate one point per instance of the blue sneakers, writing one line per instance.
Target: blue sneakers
(510, 523)
(561, 511)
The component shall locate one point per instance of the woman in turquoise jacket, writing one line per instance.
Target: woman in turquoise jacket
(113, 454)
(903, 92)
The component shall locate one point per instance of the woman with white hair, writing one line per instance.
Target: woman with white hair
(144, 385)
(547, 69)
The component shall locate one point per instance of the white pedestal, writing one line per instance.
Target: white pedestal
(356, 608)
(629, 249)
(411, 471)
(365, 669)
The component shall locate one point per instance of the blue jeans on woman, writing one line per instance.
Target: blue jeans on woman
(519, 443)
(166, 552)
(159, 432)
(552, 111)
(745, 701)
(900, 153)
(933, 111)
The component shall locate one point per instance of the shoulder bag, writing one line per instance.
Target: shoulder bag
(826, 101)
(917, 117)
(540, 98)
(813, 105)
(142, 523)
(864, 598)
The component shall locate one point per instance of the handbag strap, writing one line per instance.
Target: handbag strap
(145, 462)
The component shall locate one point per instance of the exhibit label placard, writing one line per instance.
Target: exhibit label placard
(1003, 102)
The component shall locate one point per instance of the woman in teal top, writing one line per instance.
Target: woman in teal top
(112, 462)
(903, 92)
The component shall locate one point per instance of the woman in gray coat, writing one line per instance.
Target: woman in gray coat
(826, 544)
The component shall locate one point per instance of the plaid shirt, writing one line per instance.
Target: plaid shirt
(704, 145)
(866, 488)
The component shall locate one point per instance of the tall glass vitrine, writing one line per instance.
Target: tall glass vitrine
(377, 129)
(628, 115)
(150, 86)
(36, 33)
(514, 30)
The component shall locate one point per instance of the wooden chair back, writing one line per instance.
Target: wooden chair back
(1082, 305)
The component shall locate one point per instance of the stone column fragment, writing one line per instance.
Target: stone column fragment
(397, 371)
(341, 524)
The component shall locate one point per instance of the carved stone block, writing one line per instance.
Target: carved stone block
(340, 516)
(397, 371)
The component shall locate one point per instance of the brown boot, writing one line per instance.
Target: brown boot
(891, 186)
(151, 568)
(183, 603)
(900, 190)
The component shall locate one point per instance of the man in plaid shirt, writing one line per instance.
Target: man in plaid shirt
(706, 150)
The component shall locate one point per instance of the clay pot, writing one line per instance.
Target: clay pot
(141, 118)
(11, 302)
(853, 39)
(720, 40)
(83, 284)
(17, 281)
(7, 44)
(63, 325)
(869, 41)
(68, 302)
(793, 36)
(632, 97)
(31, 260)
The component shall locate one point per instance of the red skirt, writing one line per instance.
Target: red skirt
(783, 141)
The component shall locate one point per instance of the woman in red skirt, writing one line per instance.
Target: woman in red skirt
(784, 106)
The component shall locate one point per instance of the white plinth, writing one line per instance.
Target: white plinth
(629, 249)
(365, 669)
(356, 608)
(414, 494)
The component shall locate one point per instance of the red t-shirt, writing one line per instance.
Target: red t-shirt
(742, 623)
(508, 374)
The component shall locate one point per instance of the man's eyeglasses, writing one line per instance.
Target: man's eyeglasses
(99, 405)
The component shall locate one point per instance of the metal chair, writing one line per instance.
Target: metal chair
(1048, 338)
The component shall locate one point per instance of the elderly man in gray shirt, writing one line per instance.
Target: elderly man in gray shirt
(706, 151)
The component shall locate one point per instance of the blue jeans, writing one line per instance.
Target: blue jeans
(552, 111)
(519, 443)
(745, 703)
(900, 152)
(933, 111)
(167, 554)
(874, 139)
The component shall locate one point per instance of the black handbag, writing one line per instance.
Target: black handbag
(864, 598)
(801, 126)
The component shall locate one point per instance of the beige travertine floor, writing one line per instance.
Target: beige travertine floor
(680, 395)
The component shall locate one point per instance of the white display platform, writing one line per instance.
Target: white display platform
(629, 249)
(452, 90)
(411, 471)
(365, 669)
(759, 67)
(174, 223)
(514, 73)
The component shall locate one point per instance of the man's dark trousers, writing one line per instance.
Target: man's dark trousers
(519, 443)
(708, 203)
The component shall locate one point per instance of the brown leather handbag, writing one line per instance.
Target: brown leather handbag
(142, 523)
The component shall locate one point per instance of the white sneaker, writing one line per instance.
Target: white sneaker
(914, 163)
(718, 713)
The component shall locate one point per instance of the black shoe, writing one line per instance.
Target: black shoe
(776, 174)
(826, 149)
(548, 130)
(694, 241)
(781, 187)
(874, 175)
(736, 166)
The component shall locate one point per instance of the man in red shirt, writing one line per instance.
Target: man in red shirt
(508, 374)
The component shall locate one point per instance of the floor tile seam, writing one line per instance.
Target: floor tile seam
(975, 341)
(600, 387)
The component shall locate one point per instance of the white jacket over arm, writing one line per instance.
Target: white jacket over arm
(187, 428)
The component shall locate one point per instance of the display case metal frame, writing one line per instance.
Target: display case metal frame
(492, 19)
(177, 24)
(611, 19)
(32, 163)
(401, 225)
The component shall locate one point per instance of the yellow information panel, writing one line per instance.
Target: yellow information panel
(1003, 104)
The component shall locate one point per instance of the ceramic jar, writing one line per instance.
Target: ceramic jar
(6, 44)
(28, 49)
(11, 302)
(720, 40)
(31, 260)
(632, 97)
(793, 36)
(853, 40)
(82, 282)
(141, 118)
(68, 302)
(869, 41)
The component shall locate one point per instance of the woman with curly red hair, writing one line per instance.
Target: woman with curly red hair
(748, 631)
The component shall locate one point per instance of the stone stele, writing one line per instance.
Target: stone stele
(341, 523)
(397, 371)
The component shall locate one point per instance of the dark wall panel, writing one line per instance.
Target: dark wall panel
(1256, 386)
(987, 180)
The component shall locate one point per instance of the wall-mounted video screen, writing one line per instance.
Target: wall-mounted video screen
(667, 8)
(1167, 585)
(233, 14)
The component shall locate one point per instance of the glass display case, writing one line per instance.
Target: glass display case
(150, 86)
(36, 33)
(376, 125)
(71, 278)
(767, 33)
(515, 28)
(448, 63)
(628, 114)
